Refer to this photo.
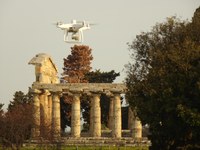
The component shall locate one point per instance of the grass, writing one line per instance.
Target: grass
(82, 148)
(105, 148)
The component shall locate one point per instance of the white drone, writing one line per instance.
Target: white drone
(73, 32)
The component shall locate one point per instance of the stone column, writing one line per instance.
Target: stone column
(35, 132)
(44, 114)
(110, 121)
(137, 128)
(50, 109)
(91, 116)
(116, 132)
(96, 115)
(46, 109)
(41, 98)
(75, 118)
(56, 129)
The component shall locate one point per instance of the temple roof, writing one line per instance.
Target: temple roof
(40, 58)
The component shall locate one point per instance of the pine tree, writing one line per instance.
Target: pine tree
(77, 64)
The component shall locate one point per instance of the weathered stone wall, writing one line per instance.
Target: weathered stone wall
(46, 105)
(45, 69)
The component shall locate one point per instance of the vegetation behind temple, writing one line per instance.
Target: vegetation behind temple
(77, 69)
(164, 82)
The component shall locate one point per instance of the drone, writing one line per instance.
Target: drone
(73, 32)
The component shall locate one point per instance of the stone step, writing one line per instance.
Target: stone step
(98, 141)
(104, 133)
(105, 141)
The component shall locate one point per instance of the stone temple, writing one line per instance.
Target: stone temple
(46, 106)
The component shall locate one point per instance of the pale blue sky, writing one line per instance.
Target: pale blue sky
(26, 29)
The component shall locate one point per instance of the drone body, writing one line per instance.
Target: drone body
(73, 32)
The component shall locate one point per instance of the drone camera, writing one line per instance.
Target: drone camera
(75, 37)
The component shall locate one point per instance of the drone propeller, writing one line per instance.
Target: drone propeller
(93, 24)
(57, 23)
(85, 22)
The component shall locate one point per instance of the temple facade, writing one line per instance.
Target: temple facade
(46, 103)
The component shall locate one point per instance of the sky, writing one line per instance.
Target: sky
(26, 29)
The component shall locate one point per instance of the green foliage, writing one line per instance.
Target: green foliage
(101, 77)
(20, 98)
(164, 83)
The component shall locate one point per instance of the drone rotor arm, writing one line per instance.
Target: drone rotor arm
(65, 35)
(81, 35)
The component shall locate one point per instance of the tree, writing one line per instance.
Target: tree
(164, 83)
(77, 70)
(20, 98)
(1, 109)
(16, 123)
(1, 119)
(76, 65)
(101, 77)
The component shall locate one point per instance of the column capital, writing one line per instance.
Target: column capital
(95, 94)
(74, 92)
(87, 92)
(46, 92)
(35, 91)
(92, 94)
(77, 94)
(59, 93)
(115, 92)
(108, 93)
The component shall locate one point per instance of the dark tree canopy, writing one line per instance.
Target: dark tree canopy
(15, 124)
(20, 98)
(76, 66)
(101, 77)
(164, 83)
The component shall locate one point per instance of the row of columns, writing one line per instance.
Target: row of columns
(95, 116)
(47, 113)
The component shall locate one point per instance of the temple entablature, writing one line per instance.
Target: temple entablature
(101, 88)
